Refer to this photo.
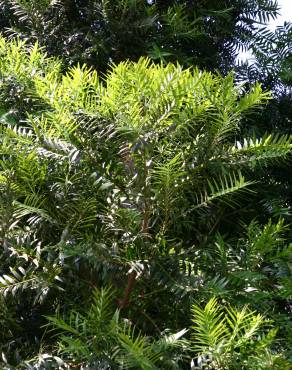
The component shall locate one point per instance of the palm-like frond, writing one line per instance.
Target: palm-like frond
(209, 329)
(224, 187)
(268, 149)
(138, 351)
(18, 279)
(219, 334)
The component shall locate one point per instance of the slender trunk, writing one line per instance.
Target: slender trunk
(128, 290)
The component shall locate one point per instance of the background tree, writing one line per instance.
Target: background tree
(271, 66)
(204, 33)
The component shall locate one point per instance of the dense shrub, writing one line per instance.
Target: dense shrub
(139, 181)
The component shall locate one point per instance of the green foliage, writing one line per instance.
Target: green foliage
(226, 338)
(206, 33)
(271, 65)
(272, 58)
(98, 337)
(140, 180)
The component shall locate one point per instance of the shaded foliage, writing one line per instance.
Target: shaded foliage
(203, 33)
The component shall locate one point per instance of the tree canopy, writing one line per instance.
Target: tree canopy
(206, 33)
(145, 195)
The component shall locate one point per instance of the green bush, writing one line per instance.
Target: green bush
(140, 180)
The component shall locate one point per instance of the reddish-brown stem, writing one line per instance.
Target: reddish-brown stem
(128, 290)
